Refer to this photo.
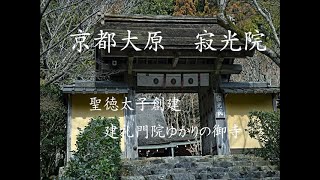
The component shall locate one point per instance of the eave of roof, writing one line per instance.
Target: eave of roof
(248, 87)
(159, 18)
(95, 87)
(177, 33)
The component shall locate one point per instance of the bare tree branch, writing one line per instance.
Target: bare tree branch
(67, 66)
(68, 34)
(62, 72)
(227, 24)
(44, 9)
(63, 18)
(269, 20)
(222, 5)
(45, 63)
(73, 4)
(48, 133)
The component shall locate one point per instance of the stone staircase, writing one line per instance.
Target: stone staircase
(199, 167)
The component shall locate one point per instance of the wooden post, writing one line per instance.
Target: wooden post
(274, 102)
(175, 62)
(172, 151)
(207, 119)
(131, 136)
(98, 64)
(69, 129)
(221, 128)
(130, 65)
(207, 109)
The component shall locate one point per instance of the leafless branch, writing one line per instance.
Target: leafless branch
(222, 5)
(67, 66)
(44, 9)
(68, 34)
(62, 72)
(48, 133)
(65, 7)
(226, 23)
(63, 18)
(268, 19)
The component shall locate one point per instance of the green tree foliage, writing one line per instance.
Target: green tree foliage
(265, 127)
(241, 16)
(97, 155)
(248, 19)
(52, 130)
(195, 8)
(185, 7)
(155, 7)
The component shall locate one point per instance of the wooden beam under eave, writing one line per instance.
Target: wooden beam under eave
(187, 52)
(130, 123)
(130, 65)
(175, 62)
(216, 77)
(230, 69)
(188, 68)
(218, 65)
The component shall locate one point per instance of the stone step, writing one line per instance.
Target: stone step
(190, 164)
(271, 178)
(253, 174)
(132, 178)
(156, 177)
(199, 167)
(167, 168)
(212, 169)
(158, 160)
(209, 158)
(230, 163)
(237, 157)
(151, 177)
(203, 166)
(173, 176)
(204, 176)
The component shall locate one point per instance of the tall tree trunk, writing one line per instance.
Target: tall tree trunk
(192, 111)
(177, 120)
